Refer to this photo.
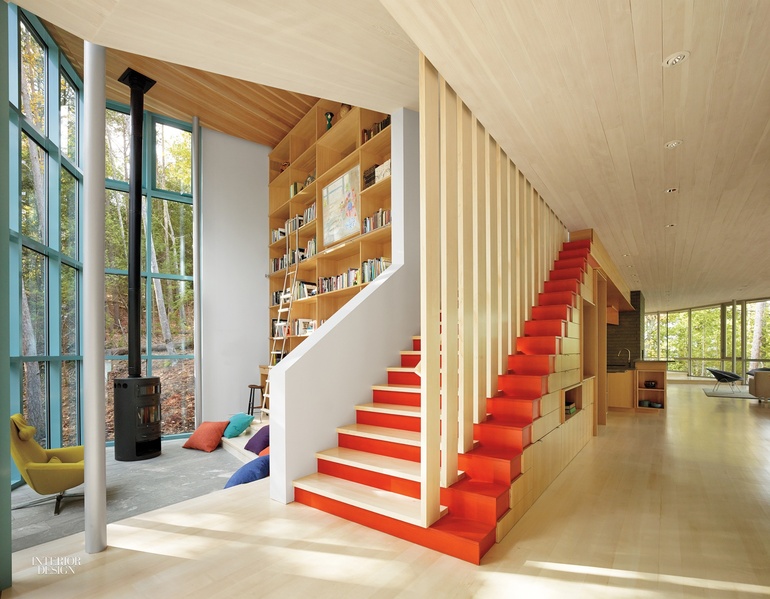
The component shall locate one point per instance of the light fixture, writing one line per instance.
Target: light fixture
(676, 58)
(626, 255)
(670, 226)
(672, 190)
(670, 145)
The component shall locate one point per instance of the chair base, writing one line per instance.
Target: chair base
(41, 500)
(733, 386)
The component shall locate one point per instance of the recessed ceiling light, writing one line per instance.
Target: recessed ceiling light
(672, 190)
(676, 58)
(673, 143)
(626, 255)
(669, 226)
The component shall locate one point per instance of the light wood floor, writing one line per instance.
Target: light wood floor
(655, 506)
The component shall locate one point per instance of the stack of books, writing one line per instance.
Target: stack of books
(379, 219)
(570, 408)
(369, 175)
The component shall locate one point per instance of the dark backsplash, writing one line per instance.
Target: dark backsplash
(628, 334)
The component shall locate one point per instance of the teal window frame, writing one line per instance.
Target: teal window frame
(57, 66)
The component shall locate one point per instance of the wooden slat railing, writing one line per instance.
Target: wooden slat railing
(488, 241)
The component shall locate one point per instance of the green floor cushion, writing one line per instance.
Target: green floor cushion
(238, 423)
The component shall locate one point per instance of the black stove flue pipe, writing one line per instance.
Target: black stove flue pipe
(139, 85)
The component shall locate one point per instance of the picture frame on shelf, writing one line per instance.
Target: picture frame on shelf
(305, 326)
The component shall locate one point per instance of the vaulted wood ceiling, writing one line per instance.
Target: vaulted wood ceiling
(241, 108)
(574, 91)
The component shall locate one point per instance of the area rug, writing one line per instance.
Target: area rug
(132, 488)
(719, 393)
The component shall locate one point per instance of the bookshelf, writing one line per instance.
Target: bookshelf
(336, 250)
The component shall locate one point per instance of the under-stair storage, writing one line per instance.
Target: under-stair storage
(373, 475)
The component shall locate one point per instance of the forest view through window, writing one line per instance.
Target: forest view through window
(45, 267)
(167, 307)
(731, 336)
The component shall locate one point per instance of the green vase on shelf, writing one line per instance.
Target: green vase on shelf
(329, 116)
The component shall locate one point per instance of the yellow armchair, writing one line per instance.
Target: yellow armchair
(46, 471)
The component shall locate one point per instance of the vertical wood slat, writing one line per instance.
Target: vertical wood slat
(465, 278)
(483, 266)
(492, 273)
(532, 224)
(430, 293)
(479, 272)
(525, 294)
(517, 299)
(537, 249)
(449, 275)
(504, 244)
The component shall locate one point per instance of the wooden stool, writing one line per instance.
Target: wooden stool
(252, 397)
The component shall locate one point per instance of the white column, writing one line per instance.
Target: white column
(197, 336)
(93, 298)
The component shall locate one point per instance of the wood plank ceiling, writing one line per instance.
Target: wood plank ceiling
(578, 96)
(259, 113)
(574, 91)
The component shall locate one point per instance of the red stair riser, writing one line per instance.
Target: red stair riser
(455, 546)
(394, 450)
(503, 437)
(577, 244)
(403, 378)
(405, 423)
(524, 364)
(576, 253)
(572, 285)
(563, 312)
(493, 470)
(555, 298)
(528, 385)
(410, 360)
(538, 345)
(395, 397)
(566, 273)
(570, 263)
(416, 344)
(475, 507)
(373, 479)
(541, 328)
(506, 407)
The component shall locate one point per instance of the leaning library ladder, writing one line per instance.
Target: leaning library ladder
(282, 324)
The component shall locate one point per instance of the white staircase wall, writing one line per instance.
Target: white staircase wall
(315, 388)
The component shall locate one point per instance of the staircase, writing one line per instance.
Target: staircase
(373, 476)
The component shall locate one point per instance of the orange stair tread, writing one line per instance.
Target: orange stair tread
(495, 453)
(462, 527)
(507, 422)
(517, 395)
(479, 487)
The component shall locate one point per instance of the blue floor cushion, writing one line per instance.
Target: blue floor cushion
(253, 470)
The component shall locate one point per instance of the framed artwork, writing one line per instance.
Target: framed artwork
(305, 326)
(342, 207)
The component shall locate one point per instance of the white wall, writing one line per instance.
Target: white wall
(233, 287)
(315, 388)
